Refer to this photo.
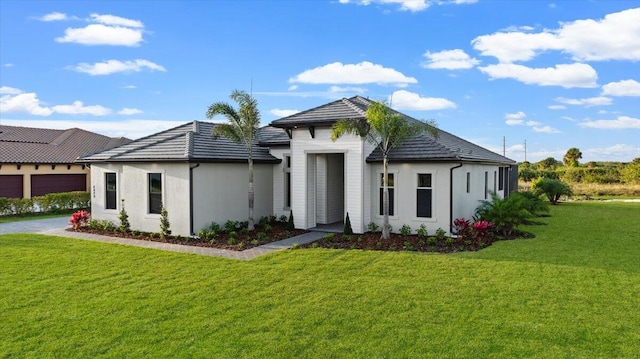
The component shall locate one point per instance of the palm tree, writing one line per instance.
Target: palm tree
(571, 157)
(385, 129)
(242, 128)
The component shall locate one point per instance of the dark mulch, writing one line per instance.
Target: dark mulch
(242, 239)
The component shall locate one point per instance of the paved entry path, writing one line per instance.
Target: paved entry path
(34, 225)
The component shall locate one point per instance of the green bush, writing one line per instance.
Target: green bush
(533, 202)
(347, 226)
(405, 230)
(552, 188)
(52, 202)
(505, 213)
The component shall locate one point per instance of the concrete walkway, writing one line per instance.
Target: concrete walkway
(34, 225)
(205, 251)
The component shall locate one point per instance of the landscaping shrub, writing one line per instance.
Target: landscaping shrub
(165, 226)
(552, 188)
(290, 224)
(373, 227)
(505, 213)
(422, 231)
(533, 202)
(405, 230)
(52, 202)
(79, 219)
(125, 226)
(347, 226)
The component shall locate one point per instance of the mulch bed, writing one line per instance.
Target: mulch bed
(243, 239)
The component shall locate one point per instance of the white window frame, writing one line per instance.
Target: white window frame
(395, 194)
(286, 190)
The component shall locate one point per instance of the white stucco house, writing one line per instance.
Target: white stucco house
(201, 179)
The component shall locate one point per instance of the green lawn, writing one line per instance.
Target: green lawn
(573, 291)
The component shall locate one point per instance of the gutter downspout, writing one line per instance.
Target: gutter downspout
(451, 196)
(191, 197)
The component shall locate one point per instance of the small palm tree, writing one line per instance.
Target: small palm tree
(242, 128)
(386, 129)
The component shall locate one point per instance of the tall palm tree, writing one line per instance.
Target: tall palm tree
(242, 128)
(571, 158)
(385, 129)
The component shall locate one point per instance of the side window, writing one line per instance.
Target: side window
(501, 178)
(390, 185)
(468, 182)
(287, 181)
(424, 196)
(110, 190)
(486, 184)
(155, 193)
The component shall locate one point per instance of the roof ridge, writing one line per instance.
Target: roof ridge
(63, 137)
(188, 148)
(353, 106)
(149, 144)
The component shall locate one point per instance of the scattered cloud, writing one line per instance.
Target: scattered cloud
(282, 112)
(533, 123)
(615, 37)
(449, 59)
(557, 107)
(78, 108)
(514, 119)
(569, 118)
(405, 100)
(564, 75)
(130, 87)
(622, 88)
(545, 129)
(106, 30)
(6, 90)
(292, 88)
(410, 5)
(361, 73)
(621, 123)
(7, 65)
(587, 102)
(54, 16)
(23, 103)
(113, 66)
(129, 111)
(620, 152)
(347, 89)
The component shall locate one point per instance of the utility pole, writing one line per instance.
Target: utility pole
(525, 150)
(504, 146)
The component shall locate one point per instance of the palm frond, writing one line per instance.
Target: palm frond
(228, 131)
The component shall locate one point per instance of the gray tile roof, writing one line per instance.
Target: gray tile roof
(272, 136)
(192, 142)
(40, 145)
(422, 147)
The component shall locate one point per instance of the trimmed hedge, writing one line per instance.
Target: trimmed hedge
(52, 202)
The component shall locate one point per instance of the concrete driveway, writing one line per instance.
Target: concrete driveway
(35, 225)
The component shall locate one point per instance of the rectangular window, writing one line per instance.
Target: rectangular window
(110, 190)
(155, 193)
(501, 178)
(486, 183)
(424, 196)
(468, 182)
(287, 182)
(390, 185)
(495, 178)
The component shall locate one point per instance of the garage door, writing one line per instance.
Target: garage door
(43, 184)
(11, 186)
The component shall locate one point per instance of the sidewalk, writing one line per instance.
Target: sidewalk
(205, 251)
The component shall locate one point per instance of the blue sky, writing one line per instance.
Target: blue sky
(557, 74)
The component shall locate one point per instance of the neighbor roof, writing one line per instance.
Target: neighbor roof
(192, 142)
(40, 145)
(421, 147)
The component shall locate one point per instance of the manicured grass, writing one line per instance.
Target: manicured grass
(573, 291)
(7, 219)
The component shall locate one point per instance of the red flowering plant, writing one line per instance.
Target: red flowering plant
(79, 219)
(481, 231)
(463, 228)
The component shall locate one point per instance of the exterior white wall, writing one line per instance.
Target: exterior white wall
(221, 193)
(465, 204)
(279, 207)
(303, 150)
(132, 186)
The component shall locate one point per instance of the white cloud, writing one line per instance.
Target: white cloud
(78, 108)
(54, 16)
(129, 111)
(292, 88)
(347, 89)
(449, 59)
(613, 38)
(409, 5)
(557, 107)
(619, 152)
(545, 129)
(130, 87)
(622, 122)
(113, 20)
(587, 102)
(533, 123)
(114, 66)
(6, 90)
(513, 119)
(622, 88)
(405, 100)
(8, 65)
(23, 103)
(282, 112)
(565, 75)
(568, 118)
(362, 73)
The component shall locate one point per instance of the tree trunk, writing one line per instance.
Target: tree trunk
(251, 226)
(385, 199)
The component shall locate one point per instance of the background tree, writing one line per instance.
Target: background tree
(552, 188)
(385, 129)
(571, 158)
(242, 128)
(549, 163)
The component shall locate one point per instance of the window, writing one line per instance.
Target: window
(495, 178)
(390, 183)
(110, 190)
(501, 178)
(287, 181)
(155, 193)
(424, 196)
(486, 183)
(468, 182)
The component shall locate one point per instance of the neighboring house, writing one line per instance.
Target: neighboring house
(299, 169)
(37, 161)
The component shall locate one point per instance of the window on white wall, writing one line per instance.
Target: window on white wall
(424, 196)
(287, 182)
(155, 193)
(501, 178)
(468, 182)
(110, 190)
(486, 183)
(495, 178)
(390, 185)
